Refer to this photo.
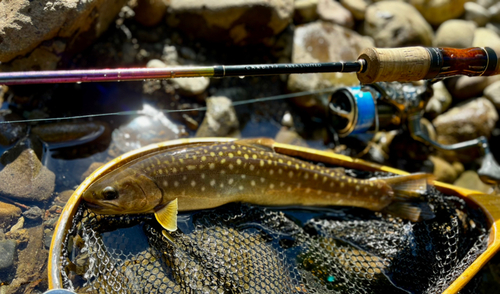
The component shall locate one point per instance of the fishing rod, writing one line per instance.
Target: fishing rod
(373, 65)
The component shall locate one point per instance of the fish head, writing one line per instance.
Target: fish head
(123, 191)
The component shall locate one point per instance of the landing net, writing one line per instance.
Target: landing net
(240, 248)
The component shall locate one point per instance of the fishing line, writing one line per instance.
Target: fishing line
(203, 108)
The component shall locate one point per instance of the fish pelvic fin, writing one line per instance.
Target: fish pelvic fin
(408, 201)
(266, 144)
(167, 216)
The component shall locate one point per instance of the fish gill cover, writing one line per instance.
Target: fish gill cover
(240, 248)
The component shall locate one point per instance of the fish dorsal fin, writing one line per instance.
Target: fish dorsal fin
(261, 143)
(167, 216)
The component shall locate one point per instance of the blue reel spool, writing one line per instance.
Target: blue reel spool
(351, 111)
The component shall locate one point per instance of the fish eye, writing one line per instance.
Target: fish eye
(109, 193)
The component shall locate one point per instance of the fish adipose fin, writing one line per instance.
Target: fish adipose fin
(167, 216)
(261, 143)
(408, 192)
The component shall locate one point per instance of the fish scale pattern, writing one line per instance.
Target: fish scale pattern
(240, 248)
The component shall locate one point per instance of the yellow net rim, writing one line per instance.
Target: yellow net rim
(489, 204)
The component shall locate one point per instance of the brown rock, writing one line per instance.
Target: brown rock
(288, 136)
(470, 180)
(439, 102)
(465, 122)
(446, 35)
(305, 11)
(25, 178)
(443, 171)
(492, 93)
(93, 166)
(484, 37)
(239, 22)
(150, 12)
(463, 87)
(476, 13)
(397, 24)
(37, 32)
(334, 12)
(325, 42)
(65, 195)
(220, 119)
(8, 213)
(438, 11)
(356, 7)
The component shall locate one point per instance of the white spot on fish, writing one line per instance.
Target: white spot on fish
(165, 183)
(254, 156)
(193, 183)
(289, 189)
(221, 185)
(203, 158)
(191, 167)
(212, 183)
(282, 184)
(231, 166)
(241, 188)
(308, 190)
(290, 174)
(252, 183)
(243, 176)
(261, 162)
(271, 172)
(211, 166)
(203, 189)
(342, 185)
(223, 161)
(238, 161)
(202, 176)
(231, 155)
(262, 180)
(184, 178)
(176, 184)
(252, 167)
(230, 181)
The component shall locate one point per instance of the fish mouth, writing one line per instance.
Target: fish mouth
(93, 206)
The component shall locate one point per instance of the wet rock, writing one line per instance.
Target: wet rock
(484, 37)
(191, 86)
(289, 136)
(465, 122)
(93, 166)
(7, 254)
(287, 120)
(25, 178)
(220, 119)
(12, 132)
(325, 42)
(150, 12)
(439, 102)
(446, 35)
(8, 213)
(170, 55)
(190, 122)
(47, 238)
(18, 226)
(356, 7)
(3, 90)
(34, 213)
(334, 12)
(469, 179)
(438, 11)
(239, 22)
(305, 11)
(476, 13)
(152, 127)
(66, 134)
(396, 24)
(37, 33)
(443, 171)
(492, 92)
(156, 63)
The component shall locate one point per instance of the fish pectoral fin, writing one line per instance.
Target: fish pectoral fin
(261, 143)
(167, 216)
(414, 212)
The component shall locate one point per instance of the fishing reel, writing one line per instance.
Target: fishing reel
(358, 111)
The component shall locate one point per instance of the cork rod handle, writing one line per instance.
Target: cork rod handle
(417, 63)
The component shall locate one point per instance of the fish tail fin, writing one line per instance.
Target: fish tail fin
(408, 192)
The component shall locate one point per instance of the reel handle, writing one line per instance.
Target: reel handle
(417, 63)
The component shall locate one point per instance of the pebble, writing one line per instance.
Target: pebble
(325, 42)
(465, 122)
(438, 11)
(446, 35)
(47, 237)
(64, 196)
(287, 120)
(484, 37)
(238, 22)
(150, 12)
(396, 24)
(34, 213)
(8, 213)
(462, 88)
(439, 102)
(191, 86)
(155, 63)
(469, 179)
(220, 119)
(64, 134)
(492, 93)
(305, 11)
(356, 7)
(443, 171)
(334, 12)
(476, 13)
(25, 178)
(93, 166)
(7, 254)
(18, 226)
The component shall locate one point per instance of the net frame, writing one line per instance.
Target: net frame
(489, 204)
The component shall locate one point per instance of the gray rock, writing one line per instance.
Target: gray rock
(220, 119)
(12, 132)
(47, 237)
(238, 22)
(334, 12)
(150, 12)
(438, 11)
(492, 92)
(191, 86)
(24, 177)
(325, 42)
(356, 7)
(465, 122)
(476, 13)
(446, 35)
(7, 253)
(305, 11)
(34, 213)
(38, 32)
(396, 24)
(8, 213)
(439, 102)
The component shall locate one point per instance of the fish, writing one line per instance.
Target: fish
(208, 175)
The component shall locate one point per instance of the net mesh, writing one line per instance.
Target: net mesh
(239, 248)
